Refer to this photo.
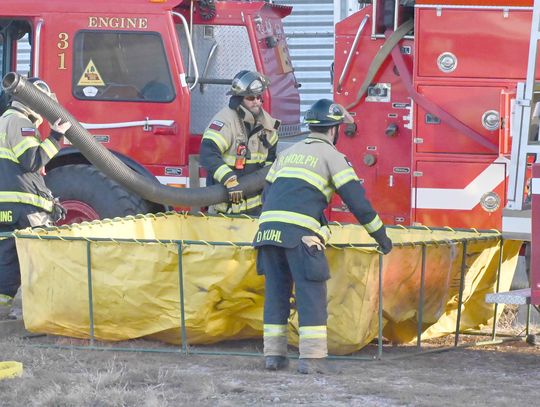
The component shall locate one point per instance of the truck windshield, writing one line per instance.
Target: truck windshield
(121, 66)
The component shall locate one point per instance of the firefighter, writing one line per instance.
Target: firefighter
(293, 232)
(25, 201)
(240, 139)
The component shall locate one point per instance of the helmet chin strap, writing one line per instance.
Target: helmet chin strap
(335, 129)
(235, 101)
(37, 119)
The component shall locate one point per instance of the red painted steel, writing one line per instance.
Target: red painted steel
(467, 104)
(449, 191)
(391, 153)
(484, 41)
(448, 177)
(161, 146)
(491, 3)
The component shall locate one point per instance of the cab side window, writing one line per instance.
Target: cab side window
(14, 51)
(121, 66)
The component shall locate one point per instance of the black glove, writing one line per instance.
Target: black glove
(236, 195)
(385, 244)
(58, 211)
(58, 129)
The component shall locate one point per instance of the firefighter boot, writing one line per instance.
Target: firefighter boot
(276, 362)
(533, 339)
(312, 366)
(16, 307)
(275, 346)
(5, 306)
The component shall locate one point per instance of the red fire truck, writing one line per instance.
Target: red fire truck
(145, 78)
(432, 85)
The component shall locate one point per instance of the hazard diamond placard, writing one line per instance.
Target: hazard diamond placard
(91, 76)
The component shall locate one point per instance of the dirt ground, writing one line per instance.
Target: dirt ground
(495, 375)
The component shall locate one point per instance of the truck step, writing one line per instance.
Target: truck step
(518, 297)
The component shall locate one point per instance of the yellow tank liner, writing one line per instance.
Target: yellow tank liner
(191, 279)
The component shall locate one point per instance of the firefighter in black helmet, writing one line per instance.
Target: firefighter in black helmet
(293, 232)
(24, 198)
(240, 139)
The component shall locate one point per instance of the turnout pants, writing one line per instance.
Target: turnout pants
(10, 274)
(10, 277)
(307, 269)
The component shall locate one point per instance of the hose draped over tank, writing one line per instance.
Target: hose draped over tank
(111, 166)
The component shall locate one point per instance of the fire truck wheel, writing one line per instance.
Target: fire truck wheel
(88, 194)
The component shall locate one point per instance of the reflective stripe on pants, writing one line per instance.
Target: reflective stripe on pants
(281, 267)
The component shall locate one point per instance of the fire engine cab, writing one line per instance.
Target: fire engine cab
(434, 88)
(145, 78)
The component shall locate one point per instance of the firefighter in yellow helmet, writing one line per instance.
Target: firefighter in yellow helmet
(293, 232)
(240, 139)
(25, 200)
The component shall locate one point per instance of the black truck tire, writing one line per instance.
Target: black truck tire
(85, 188)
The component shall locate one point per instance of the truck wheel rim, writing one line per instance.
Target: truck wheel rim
(77, 212)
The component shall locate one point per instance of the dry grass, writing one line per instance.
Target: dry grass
(498, 375)
(508, 321)
(54, 377)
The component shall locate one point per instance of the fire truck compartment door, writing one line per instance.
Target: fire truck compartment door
(485, 43)
(468, 104)
(459, 193)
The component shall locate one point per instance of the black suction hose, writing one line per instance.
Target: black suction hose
(111, 166)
